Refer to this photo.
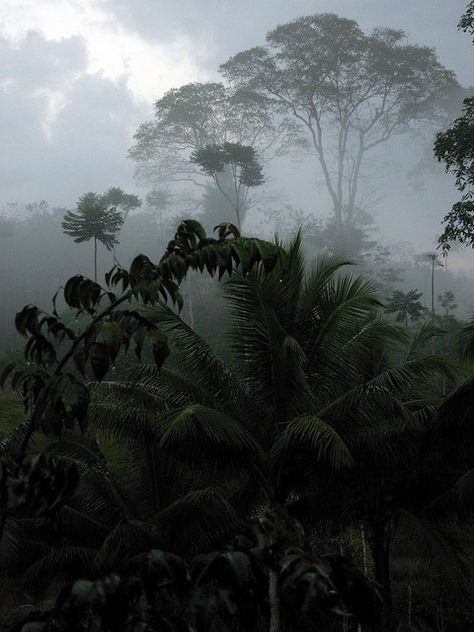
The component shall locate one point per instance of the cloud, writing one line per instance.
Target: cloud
(224, 27)
(63, 130)
(112, 46)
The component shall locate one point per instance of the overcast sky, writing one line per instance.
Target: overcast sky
(78, 76)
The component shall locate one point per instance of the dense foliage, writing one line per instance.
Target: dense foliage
(455, 147)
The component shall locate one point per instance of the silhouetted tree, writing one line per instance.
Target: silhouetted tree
(116, 199)
(348, 91)
(446, 301)
(159, 200)
(242, 167)
(93, 220)
(406, 306)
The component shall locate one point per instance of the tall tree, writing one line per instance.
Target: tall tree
(158, 200)
(349, 92)
(432, 259)
(242, 167)
(193, 116)
(447, 302)
(406, 306)
(93, 220)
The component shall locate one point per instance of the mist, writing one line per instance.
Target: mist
(69, 109)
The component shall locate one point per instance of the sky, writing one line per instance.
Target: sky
(78, 76)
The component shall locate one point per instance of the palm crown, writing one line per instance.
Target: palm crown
(93, 220)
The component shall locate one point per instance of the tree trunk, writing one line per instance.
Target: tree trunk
(432, 288)
(410, 605)
(380, 544)
(190, 301)
(273, 601)
(338, 223)
(95, 259)
(237, 214)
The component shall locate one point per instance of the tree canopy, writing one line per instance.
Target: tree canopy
(348, 91)
(242, 167)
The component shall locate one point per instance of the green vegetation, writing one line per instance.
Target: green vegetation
(212, 444)
(454, 147)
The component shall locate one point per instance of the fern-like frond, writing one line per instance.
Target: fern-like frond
(423, 540)
(193, 423)
(68, 562)
(127, 538)
(318, 437)
(199, 520)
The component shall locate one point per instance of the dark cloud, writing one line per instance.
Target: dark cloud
(84, 146)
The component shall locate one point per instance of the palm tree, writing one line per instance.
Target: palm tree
(389, 489)
(311, 406)
(406, 305)
(93, 220)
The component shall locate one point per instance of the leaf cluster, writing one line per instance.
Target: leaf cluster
(93, 219)
(214, 159)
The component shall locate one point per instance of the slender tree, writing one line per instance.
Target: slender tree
(93, 220)
(159, 201)
(406, 305)
(432, 258)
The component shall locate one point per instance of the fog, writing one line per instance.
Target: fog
(77, 79)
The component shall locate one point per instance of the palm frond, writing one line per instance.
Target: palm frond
(197, 356)
(66, 562)
(423, 540)
(199, 520)
(127, 538)
(344, 302)
(457, 411)
(18, 548)
(321, 274)
(10, 442)
(315, 435)
(192, 423)
(125, 411)
(422, 338)
(466, 341)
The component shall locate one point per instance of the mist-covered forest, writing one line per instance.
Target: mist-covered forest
(236, 316)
